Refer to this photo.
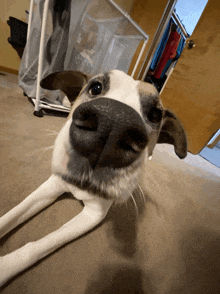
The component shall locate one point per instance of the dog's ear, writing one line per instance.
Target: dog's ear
(70, 82)
(173, 133)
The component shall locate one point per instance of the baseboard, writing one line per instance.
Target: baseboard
(9, 70)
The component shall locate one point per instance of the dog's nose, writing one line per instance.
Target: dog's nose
(108, 133)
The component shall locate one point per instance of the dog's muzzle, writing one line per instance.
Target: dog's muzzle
(108, 133)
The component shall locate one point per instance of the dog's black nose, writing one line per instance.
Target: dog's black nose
(108, 133)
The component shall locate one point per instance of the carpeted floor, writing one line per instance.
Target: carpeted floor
(171, 245)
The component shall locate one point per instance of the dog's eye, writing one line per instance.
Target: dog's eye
(95, 89)
(155, 115)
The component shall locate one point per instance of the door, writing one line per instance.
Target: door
(193, 90)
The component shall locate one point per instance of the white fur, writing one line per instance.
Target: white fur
(124, 88)
(61, 150)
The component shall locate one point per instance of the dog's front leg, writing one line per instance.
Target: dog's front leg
(35, 202)
(93, 213)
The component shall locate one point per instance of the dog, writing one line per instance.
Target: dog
(112, 129)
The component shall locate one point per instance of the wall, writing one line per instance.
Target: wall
(9, 59)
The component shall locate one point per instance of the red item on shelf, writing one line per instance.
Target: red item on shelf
(168, 53)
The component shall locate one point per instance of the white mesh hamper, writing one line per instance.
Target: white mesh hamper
(103, 38)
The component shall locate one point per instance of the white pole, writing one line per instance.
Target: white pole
(139, 58)
(29, 29)
(40, 61)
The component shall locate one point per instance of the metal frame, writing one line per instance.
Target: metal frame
(37, 102)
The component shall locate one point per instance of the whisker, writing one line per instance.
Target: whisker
(83, 177)
(37, 150)
(135, 204)
(142, 193)
(47, 148)
(51, 133)
(90, 175)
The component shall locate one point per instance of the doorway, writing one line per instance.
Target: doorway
(181, 24)
(178, 31)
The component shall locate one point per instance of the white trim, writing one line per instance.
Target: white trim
(214, 140)
(158, 35)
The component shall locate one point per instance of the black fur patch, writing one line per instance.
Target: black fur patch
(104, 79)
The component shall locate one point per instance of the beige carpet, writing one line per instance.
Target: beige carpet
(170, 245)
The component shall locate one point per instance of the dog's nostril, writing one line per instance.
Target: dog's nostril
(135, 147)
(87, 122)
(132, 148)
(133, 140)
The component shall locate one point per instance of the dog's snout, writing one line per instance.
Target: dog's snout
(108, 133)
